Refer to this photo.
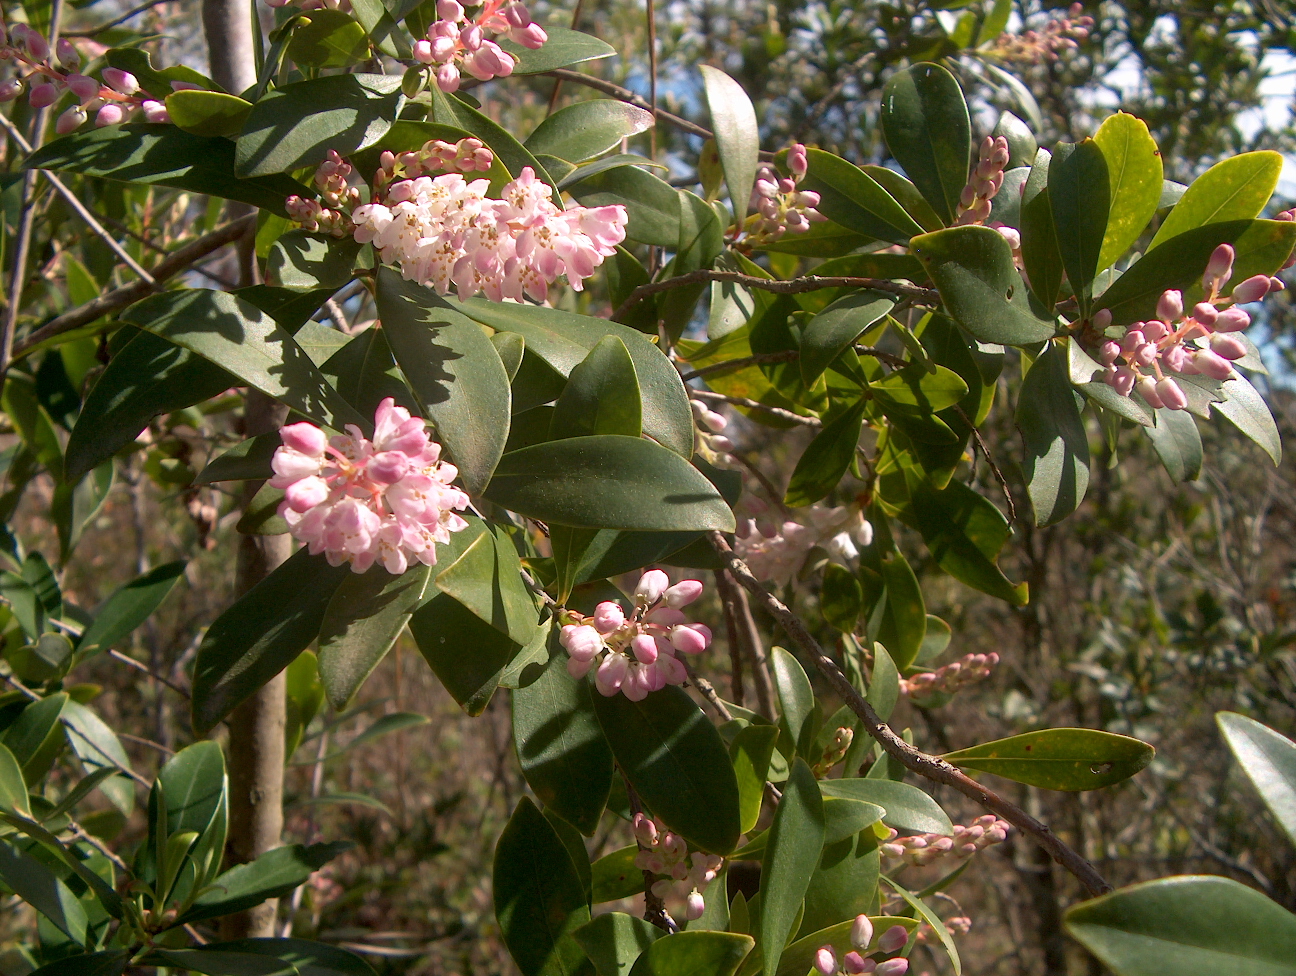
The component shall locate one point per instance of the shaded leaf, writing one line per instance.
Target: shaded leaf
(1059, 759)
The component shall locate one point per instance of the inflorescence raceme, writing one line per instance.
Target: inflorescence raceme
(982, 187)
(951, 678)
(456, 43)
(358, 500)
(48, 74)
(637, 654)
(921, 849)
(856, 962)
(445, 233)
(778, 205)
(776, 551)
(686, 874)
(1060, 35)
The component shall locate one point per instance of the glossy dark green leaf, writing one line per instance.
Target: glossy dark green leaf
(275, 873)
(328, 39)
(1269, 760)
(1247, 410)
(884, 682)
(1187, 924)
(1059, 759)
(840, 599)
(167, 156)
(539, 899)
(615, 876)
(677, 763)
(1178, 444)
(588, 129)
(905, 622)
(297, 124)
(737, 135)
(1056, 464)
(854, 200)
(829, 333)
(36, 736)
(455, 372)
(602, 395)
(1236, 188)
(615, 940)
(651, 203)
(1079, 192)
(843, 819)
(700, 242)
(907, 195)
(302, 261)
(310, 958)
(844, 882)
(750, 753)
(207, 113)
(564, 48)
(925, 120)
(260, 634)
(128, 607)
(827, 458)
(1134, 173)
(382, 27)
(1041, 257)
(907, 807)
(611, 482)
(796, 697)
(795, 844)
(13, 790)
(487, 579)
(28, 416)
(560, 746)
(924, 912)
(219, 962)
(111, 963)
(74, 506)
(927, 389)
(39, 887)
(694, 954)
(157, 82)
(97, 747)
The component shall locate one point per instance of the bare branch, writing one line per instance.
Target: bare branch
(750, 404)
(930, 767)
(143, 668)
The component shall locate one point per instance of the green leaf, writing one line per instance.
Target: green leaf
(275, 873)
(601, 396)
(328, 39)
(1056, 465)
(588, 129)
(652, 204)
(615, 876)
(830, 332)
(1178, 444)
(700, 242)
(907, 807)
(539, 898)
(305, 695)
(74, 506)
(240, 338)
(560, 746)
(795, 843)
(221, 963)
(365, 615)
(112, 963)
(796, 698)
(827, 458)
(1080, 195)
(611, 482)
(925, 121)
(1134, 172)
(310, 958)
(465, 652)
(98, 747)
(927, 389)
(260, 634)
(843, 819)
(1247, 410)
(973, 269)
(26, 413)
(1236, 188)
(128, 607)
(1041, 257)
(302, 261)
(13, 789)
(750, 753)
(694, 954)
(1269, 760)
(36, 738)
(852, 199)
(677, 763)
(449, 110)
(35, 884)
(208, 113)
(844, 883)
(564, 48)
(799, 956)
(167, 156)
(156, 82)
(841, 599)
(1187, 925)
(388, 36)
(615, 940)
(933, 920)
(1059, 759)
(562, 340)
(487, 579)
(737, 135)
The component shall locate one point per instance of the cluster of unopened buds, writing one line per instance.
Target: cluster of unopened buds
(1197, 342)
(920, 849)
(359, 500)
(777, 550)
(456, 43)
(48, 76)
(986, 179)
(687, 874)
(713, 444)
(834, 752)
(778, 205)
(856, 962)
(953, 677)
(636, 655)
(1060, 34)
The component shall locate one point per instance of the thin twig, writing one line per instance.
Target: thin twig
(725, 586)
(770, 488)
(994, 468)
(930, 767)
(750, 404)
(142, 8)
(793, 286)
(126, 295)
(80, 833)
(166, 750)
(786, 356)
(144, 668)
(750, 639)
(708, 692)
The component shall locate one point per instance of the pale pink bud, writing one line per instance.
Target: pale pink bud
(110, 114)
(652, 586)
(645, 831)
(1145, 354)
(861, 932)
(1170, 306)
(450, 10)
(448, 78)
(423, 52)
(581, 640)
(694, 906)
(1212, 365)
(1251, 290)
(532, 36)
(388, 467)
(70, 121)
(1147, 390)
(611, 674)
(304, 437)
(83, 86)
(798, 161)
(825, 961)
(122, 81)
(1232, 320)
(644, 648)
(1220, 264)
(36, 45)
(1108, 352)
(1102, 318)
(688, 639)
(10, 89)
(1123, 380)
(68, 55)
(1170, 393)
(443, 49)
(682, 593)
(470, 36)
(893, 939)
(608, 616)
(517, 15)
(857, 965)
(155, 112)
(1155, 330)
(892, 967)
(305, 494)
(1228, 346)
(43, 94)
(1132, 340)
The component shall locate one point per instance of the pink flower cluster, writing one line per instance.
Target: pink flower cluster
(1200, 342)
(984, 184)
(331, 213)
(686, 874)
(362, 501)
(1059, 34)
(456, 44)
(713, 445)
(776, 551)
(856, 963)
(920, 849)
(111, 101)
(444, 232)
(953, 677)
(779, 206)
(636, 655)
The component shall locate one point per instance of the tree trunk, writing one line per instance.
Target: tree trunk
(256, 739)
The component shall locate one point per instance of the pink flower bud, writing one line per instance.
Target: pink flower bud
(1108, 352)
(388, 467)
(1170, 306)
(36, 45)
(611, 674)
(1170, 393)
(1228, 346)
(110, 114)
(1102, 318)
(532, 36)
(122, 81)
(825, 961)
(423, 52)
(694, 906)
(644, 648)
(688, 639)
(1174, 358)
(470, 36)
(857, 965)
(83, 86)
(798, 161)
(652, 586)
(861, 932)
(1146, 387)
(71, 120)
(1220, 264)
(155, 112)
(1123, 380)
(448, 78)
(608, 616)
(1210, 364)
(68, 55)
(304, 437)
(1155, 331)
(645, 830)
(10, 89)
(450, 10)
(892, 967)
(1132, 340)
(1251, 290)
(581, 641)
(1232, 320)
(43, 94)
(682, 593)
(893, 939)
(305, 494)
